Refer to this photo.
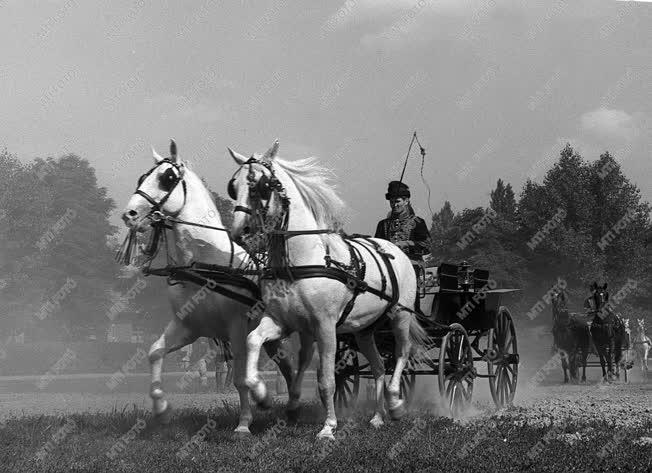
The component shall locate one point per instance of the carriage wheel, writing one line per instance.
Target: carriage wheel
(502, 359)
(347, 376)
(456, 371)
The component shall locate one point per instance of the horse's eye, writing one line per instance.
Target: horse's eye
(167, 179)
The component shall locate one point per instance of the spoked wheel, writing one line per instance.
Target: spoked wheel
(347, 376)
(502, 359)
(456, 371)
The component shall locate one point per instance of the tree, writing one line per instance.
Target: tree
(24, 211)
(503, 201)
(573, 211)
(74, 249)
(441, 226)
(480, 237)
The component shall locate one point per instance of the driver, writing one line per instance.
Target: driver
(589, 303)
(403, 228)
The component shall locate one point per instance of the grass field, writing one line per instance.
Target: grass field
(511, 441)
(77, 424)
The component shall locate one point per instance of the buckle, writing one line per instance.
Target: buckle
(157, 216)
(356, 284)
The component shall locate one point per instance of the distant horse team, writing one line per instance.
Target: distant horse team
(600, 330)
(214, 288)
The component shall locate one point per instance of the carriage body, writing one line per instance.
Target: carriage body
(462, 313)
(454, 294)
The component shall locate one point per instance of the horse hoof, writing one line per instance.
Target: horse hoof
(325, 436)
(293, 415)
(241, 432)
(165, 416)
(267, 402)
(398, 412)
(376, 422)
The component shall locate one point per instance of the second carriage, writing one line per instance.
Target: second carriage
(465, 322)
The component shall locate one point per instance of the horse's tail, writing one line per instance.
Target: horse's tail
(418, 335)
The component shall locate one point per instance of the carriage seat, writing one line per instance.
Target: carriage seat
(452, 275)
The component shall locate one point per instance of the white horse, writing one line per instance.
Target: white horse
(299, 195)
(643, 345)
(172, 189)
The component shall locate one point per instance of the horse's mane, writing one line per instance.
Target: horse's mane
(313, 182)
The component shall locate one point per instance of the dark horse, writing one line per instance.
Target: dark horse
(571, 336)
(607, 330)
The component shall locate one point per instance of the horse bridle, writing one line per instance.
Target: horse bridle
(261, 190)
(156, 206)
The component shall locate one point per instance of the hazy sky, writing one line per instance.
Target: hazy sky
(493, 87)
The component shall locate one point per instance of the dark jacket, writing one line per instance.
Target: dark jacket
(411, 228)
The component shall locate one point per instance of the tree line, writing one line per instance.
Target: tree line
(585, 222)
(58, 275)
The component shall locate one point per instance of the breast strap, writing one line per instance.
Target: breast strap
(353, 279)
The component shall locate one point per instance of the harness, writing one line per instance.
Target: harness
(212, 276)
(352, 274)
(216, 277)
(156, 206)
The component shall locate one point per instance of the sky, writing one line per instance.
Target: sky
(494, 89)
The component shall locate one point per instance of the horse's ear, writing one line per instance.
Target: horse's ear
(237, 157)
(173, 150)
(604, 286)
(270, 154)
(157, 158)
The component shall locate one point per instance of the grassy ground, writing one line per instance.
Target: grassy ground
(83, 442)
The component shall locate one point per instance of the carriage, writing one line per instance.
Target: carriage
(465, 322)
(462, 306)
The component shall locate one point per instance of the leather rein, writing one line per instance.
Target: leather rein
(213, 276)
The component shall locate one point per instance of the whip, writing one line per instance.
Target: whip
(423, 159)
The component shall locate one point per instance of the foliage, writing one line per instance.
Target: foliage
(55, 231)
(558, 228)
(502, 200)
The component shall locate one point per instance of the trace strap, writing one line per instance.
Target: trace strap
(218, 278)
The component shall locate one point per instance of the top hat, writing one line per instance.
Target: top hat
(397, 189)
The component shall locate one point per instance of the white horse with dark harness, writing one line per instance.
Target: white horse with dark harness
(211, 294)
(337, 284)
